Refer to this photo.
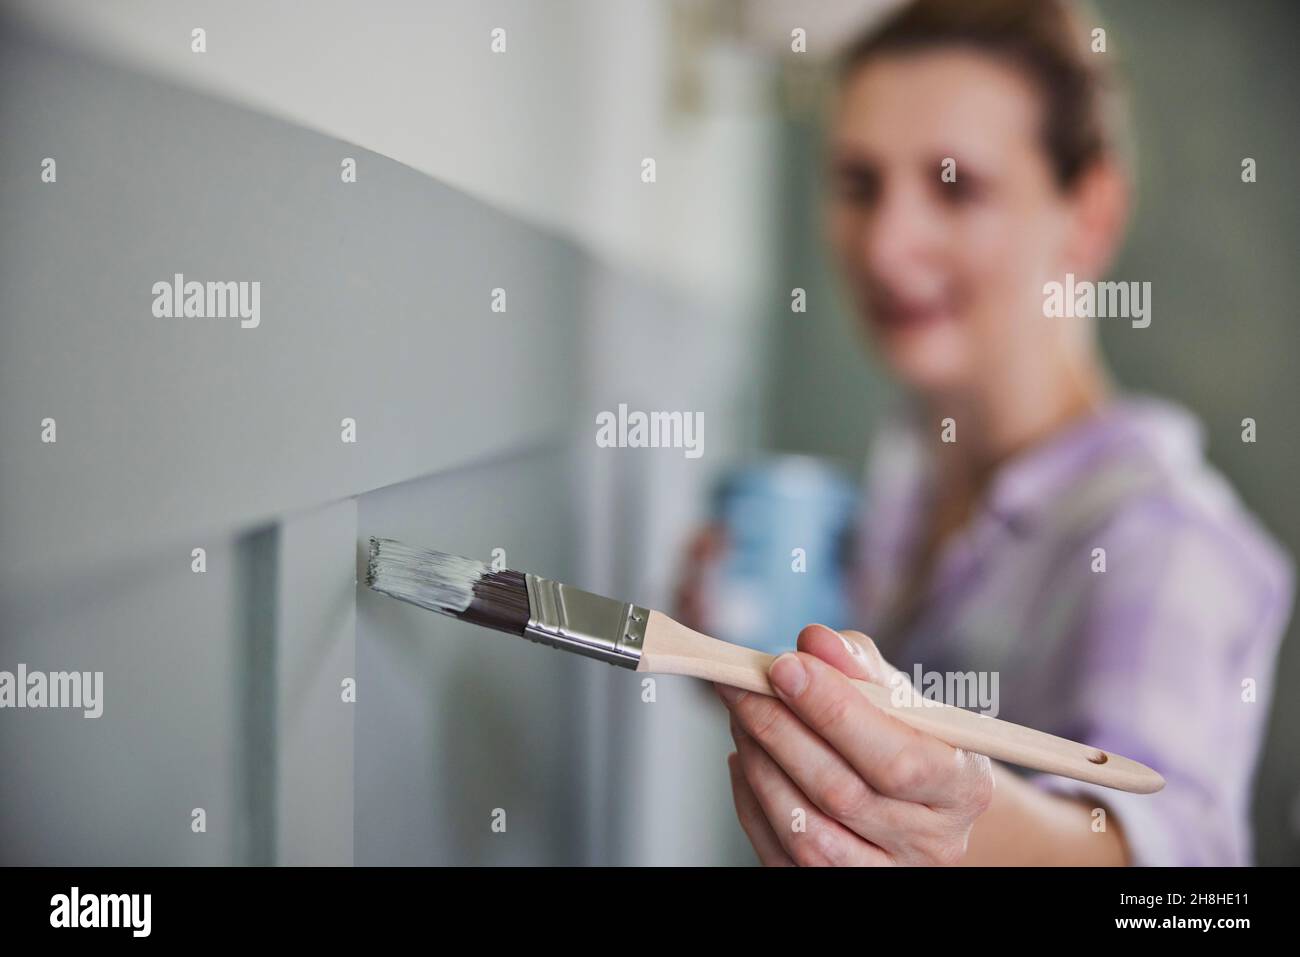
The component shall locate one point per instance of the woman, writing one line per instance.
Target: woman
(1024, 521)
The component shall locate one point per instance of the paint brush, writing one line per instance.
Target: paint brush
(628, 635)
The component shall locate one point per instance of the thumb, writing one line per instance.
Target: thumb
(851, 652)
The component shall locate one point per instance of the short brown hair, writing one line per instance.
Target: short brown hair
(1082, 108)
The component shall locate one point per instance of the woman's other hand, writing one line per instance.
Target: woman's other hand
(704, 550)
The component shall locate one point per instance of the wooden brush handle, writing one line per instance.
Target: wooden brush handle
(671, 648)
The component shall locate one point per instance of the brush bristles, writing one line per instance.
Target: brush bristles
(450, 585)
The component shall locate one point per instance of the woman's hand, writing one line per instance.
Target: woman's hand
(704, 550)
(823, 776)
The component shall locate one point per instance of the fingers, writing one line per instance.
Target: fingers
(821, 773)
(851, 652)
(895, 759)
(752, 820)
(807, 836)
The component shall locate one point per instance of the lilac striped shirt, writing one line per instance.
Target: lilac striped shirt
(1165, 656)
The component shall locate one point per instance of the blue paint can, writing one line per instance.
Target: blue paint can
(789, 523)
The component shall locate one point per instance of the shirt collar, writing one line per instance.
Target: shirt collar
(1130, 436)
(1129, 439)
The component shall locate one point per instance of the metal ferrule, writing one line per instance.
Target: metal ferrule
(575, 620)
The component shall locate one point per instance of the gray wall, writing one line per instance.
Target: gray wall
(223, 689)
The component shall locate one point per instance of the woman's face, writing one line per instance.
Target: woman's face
(948, 276)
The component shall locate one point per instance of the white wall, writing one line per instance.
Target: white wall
(553, 131)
